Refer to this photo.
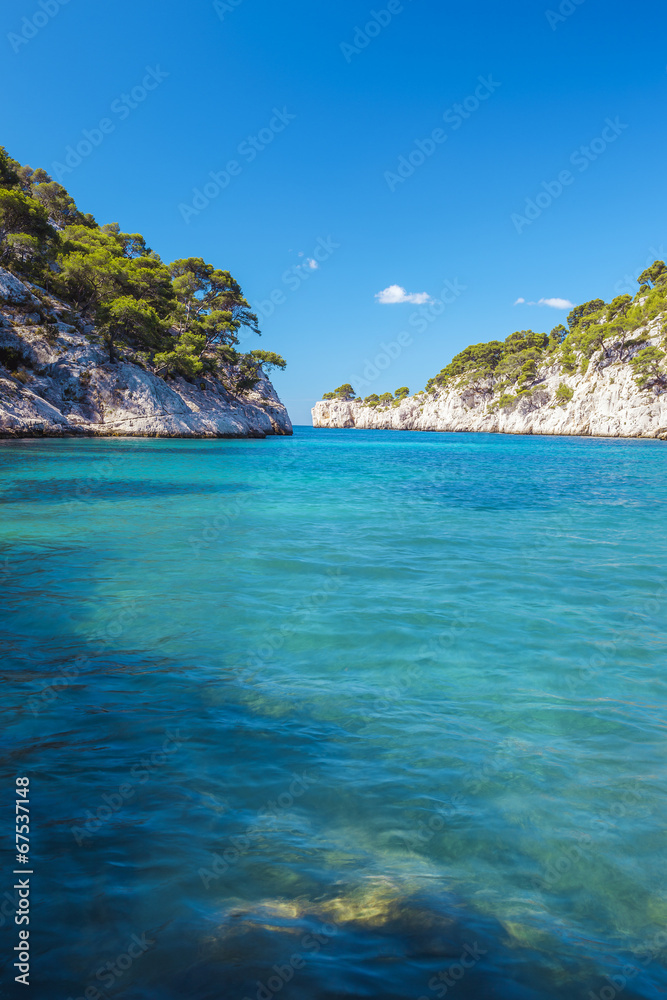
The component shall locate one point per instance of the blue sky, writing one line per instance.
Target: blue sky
(305, 121)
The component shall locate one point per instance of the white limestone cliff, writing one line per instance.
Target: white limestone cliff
(605, 402)
(56, 380)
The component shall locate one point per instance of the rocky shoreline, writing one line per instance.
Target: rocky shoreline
(57, 381)
(605, 402)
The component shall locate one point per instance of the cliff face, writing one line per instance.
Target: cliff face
(56, 380)
(605, 402)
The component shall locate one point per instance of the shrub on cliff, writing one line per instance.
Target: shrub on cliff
(564, 394)
(556, 337)
(268, 360)
(482, 359)
(342, 392)
(650, 372)
(131, 321)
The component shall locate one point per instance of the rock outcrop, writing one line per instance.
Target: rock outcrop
(605, 402)
(56, 380)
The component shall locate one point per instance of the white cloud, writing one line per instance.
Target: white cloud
(552, 303)
(557, 303)
(395, 294)
(312, 264)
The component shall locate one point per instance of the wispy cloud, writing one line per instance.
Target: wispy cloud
(395, 295)
(552, 303)
(556, 303)
(308, 262)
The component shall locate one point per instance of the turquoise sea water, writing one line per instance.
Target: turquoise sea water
(351, 714)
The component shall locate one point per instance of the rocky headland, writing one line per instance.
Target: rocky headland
(56, 380)
(605, 377)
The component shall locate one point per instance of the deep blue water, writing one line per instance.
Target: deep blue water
(351, 714)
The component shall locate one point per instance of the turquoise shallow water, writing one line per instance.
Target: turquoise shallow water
(352, 714)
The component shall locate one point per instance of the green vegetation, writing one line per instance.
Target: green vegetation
(516, 359)
(179, 319)
(597, 334)
(564, 394)
(649, 370)
(342, 392)
(497, 366)
(386, 399)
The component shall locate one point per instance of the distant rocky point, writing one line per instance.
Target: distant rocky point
(604, 376)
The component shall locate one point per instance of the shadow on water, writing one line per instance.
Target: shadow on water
(164, 869)
(49, 491)
(132, 897)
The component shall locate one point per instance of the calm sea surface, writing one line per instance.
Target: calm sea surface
(352, 714)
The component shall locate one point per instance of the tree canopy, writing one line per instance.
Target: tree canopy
(185, 318)
(342, 392)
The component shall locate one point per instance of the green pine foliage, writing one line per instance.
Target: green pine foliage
(342, 392)
(183, 319)
(564, 394)
(508, 371)
(649, 369)
(593, 327)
